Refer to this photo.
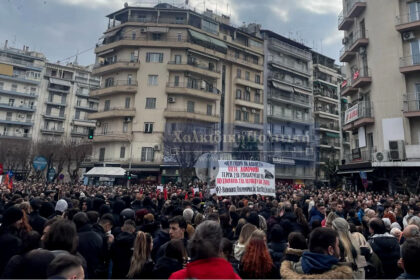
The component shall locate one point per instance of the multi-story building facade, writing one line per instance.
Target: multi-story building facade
(289, 115)
(327, 107)
(164, 69)
(382, 85)
(20, 87)
(65, 102)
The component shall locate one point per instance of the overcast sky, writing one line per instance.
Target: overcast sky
(61, 28)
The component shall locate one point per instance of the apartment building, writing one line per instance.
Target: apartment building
(20, 86)
(65, 102)
(382, 84)
(289, 108)
(165, 69)
(327, 112)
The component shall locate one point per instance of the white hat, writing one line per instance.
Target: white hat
(61, 206)
(395, 225)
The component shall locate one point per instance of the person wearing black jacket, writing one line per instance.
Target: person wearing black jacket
(36, 221)
(122, 250)
(90, 244)
(10, 243)
(173, 260)
(161, 236)
(278, 244)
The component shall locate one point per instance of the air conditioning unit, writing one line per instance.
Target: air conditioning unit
(203, 84)
(128, 119)
(345, 40)
(253, 111)
(171, 99)
(381, 156)
(244, 109)
(362, 50)
(157, 148)
(408, 36)
(396, 150)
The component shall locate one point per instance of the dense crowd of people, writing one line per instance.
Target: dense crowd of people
(76, 231)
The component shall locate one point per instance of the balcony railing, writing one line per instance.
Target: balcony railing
(331, 126)
(196, 112)
(106, 62)
(14, 134)
(329, 142)
(20, 107)
(412, 102)
(289, 97)
(278, 77)
(324, 109)
(360, 154)
(325, 93)
(120, 83)
(18, 61)
(194, 64)
(290, 117)
(290, 49)
(194, 86)
(413, 60)
(302, 68)
(358, 35)
(364, 110)
(408, 18)
(350, 4)
(53, 129)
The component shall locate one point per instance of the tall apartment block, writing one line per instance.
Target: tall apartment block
(327, 104)
(289, 116)
(65, 102)
(165, 69)
(20, 87)
(382, 85)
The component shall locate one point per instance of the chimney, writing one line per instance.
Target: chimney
(5, 44)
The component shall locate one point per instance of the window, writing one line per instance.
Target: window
(256, 118)
(414, 8)
(176, 81)
(147, 154)
(257, 79)
(156, 36)
(238, 115)
(209, 109)
(48, 111)
(178, 59)
(109, 82)
(8, 116)
(105, 128)
(247, 75)
(33, 91)
(107, 105)
(133, 35)
(1, 85)
(236, 54)
(246, 116)
(210, 27)
(101, 154)
(79, 102)
(179, 20)
(61, 114)
(190, 106)
(125, 127)
(238, 73)
(150, 103)
(257, 97)
(63, 99)
(77, 115)
(11, 102)
(247, 96)
(238, 94)
(129, 79)
(148, 127)
(255, 60)
(153, 80)
(127, 102)
(14, 87)
(179, 37)
(154, 57)
(91, 104)
(133, 57)
(122, 152)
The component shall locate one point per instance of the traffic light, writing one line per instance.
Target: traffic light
(90, 133)
(128, 175)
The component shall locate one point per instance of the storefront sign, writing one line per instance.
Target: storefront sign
(243, 177)
(351, 114)
(356, 154)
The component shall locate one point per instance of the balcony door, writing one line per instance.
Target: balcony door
(414, 8)
(415, 51)
(417, 97)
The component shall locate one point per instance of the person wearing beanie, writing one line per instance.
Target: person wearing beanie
(10, 242)
(60, 207)
(36, 221)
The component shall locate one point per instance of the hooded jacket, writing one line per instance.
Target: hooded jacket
(387, 249)
(121, 252)
(165, 267)
(212, 268)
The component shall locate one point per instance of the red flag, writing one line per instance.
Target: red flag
(165, 193)
(10, 185)
(192, 189)
(6, 180)
(201, 195)
(186, 196)
(141, 191)
(157, 192)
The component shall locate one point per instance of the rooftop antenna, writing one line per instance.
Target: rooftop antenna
(75, 59)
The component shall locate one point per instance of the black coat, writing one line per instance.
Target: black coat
(289, 223)
(165, 267)
(276, 250)
(387, 248)
(146, 272)
(161, 238)
(10, 245)
(162, 249)
(37, 222)
(91, 248)
(121, 252)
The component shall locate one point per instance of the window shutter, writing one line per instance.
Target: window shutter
(161, 57)
(148, 57)
(143, 154)
(153, 154)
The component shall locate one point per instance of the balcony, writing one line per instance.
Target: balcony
(118, 87)
(56, 103)
(346, 55)
(325, 112)
(15, 135)
(328, 127)
(411, 105)
(408, 22)
(355, 7)
(21, 108)
(20, 79)
(114, 112)
(249, 125)
(300, 69)
(84, 123)
(52, 131)
(20, 94)
(108, 136)
(195, 116)
(361, 78)
(284, 47)
(86, 108)
(295, 155)
(17, 121)
(324, 95)
(329, 143)
(289, 118)
(410, 64)
(277, 77)
(193, 90)
(302, 101)
(360, 114)
(60, 90)
(359, 39)
(76, 133)
(347, 88)
(194, 67)
(360, 155)
(112, 67)
(248, 83)
(20, 62)
(249, 103)
(344, 23)
(54, 117)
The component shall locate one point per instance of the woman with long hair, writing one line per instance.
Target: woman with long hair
(141, 262)
(302, 221)
(256, 261)
(245, 234)
(351, 252)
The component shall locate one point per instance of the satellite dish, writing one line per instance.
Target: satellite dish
(207, 165)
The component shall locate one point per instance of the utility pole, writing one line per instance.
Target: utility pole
(131, 158)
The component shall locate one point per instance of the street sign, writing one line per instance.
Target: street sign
(51, 174)
(39, 163)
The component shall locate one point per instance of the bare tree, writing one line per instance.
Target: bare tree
(15, 155)
(76, 154)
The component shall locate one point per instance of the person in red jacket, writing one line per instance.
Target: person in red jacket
(205, 253)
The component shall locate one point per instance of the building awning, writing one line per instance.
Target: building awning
(110, 34)
(207, 40)
(106, 171)
(332, 135)
(354, 171)
(85, 124)
(298, 90)
(105, 52)
(282, 87)
(203, 54)
(60, 82)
